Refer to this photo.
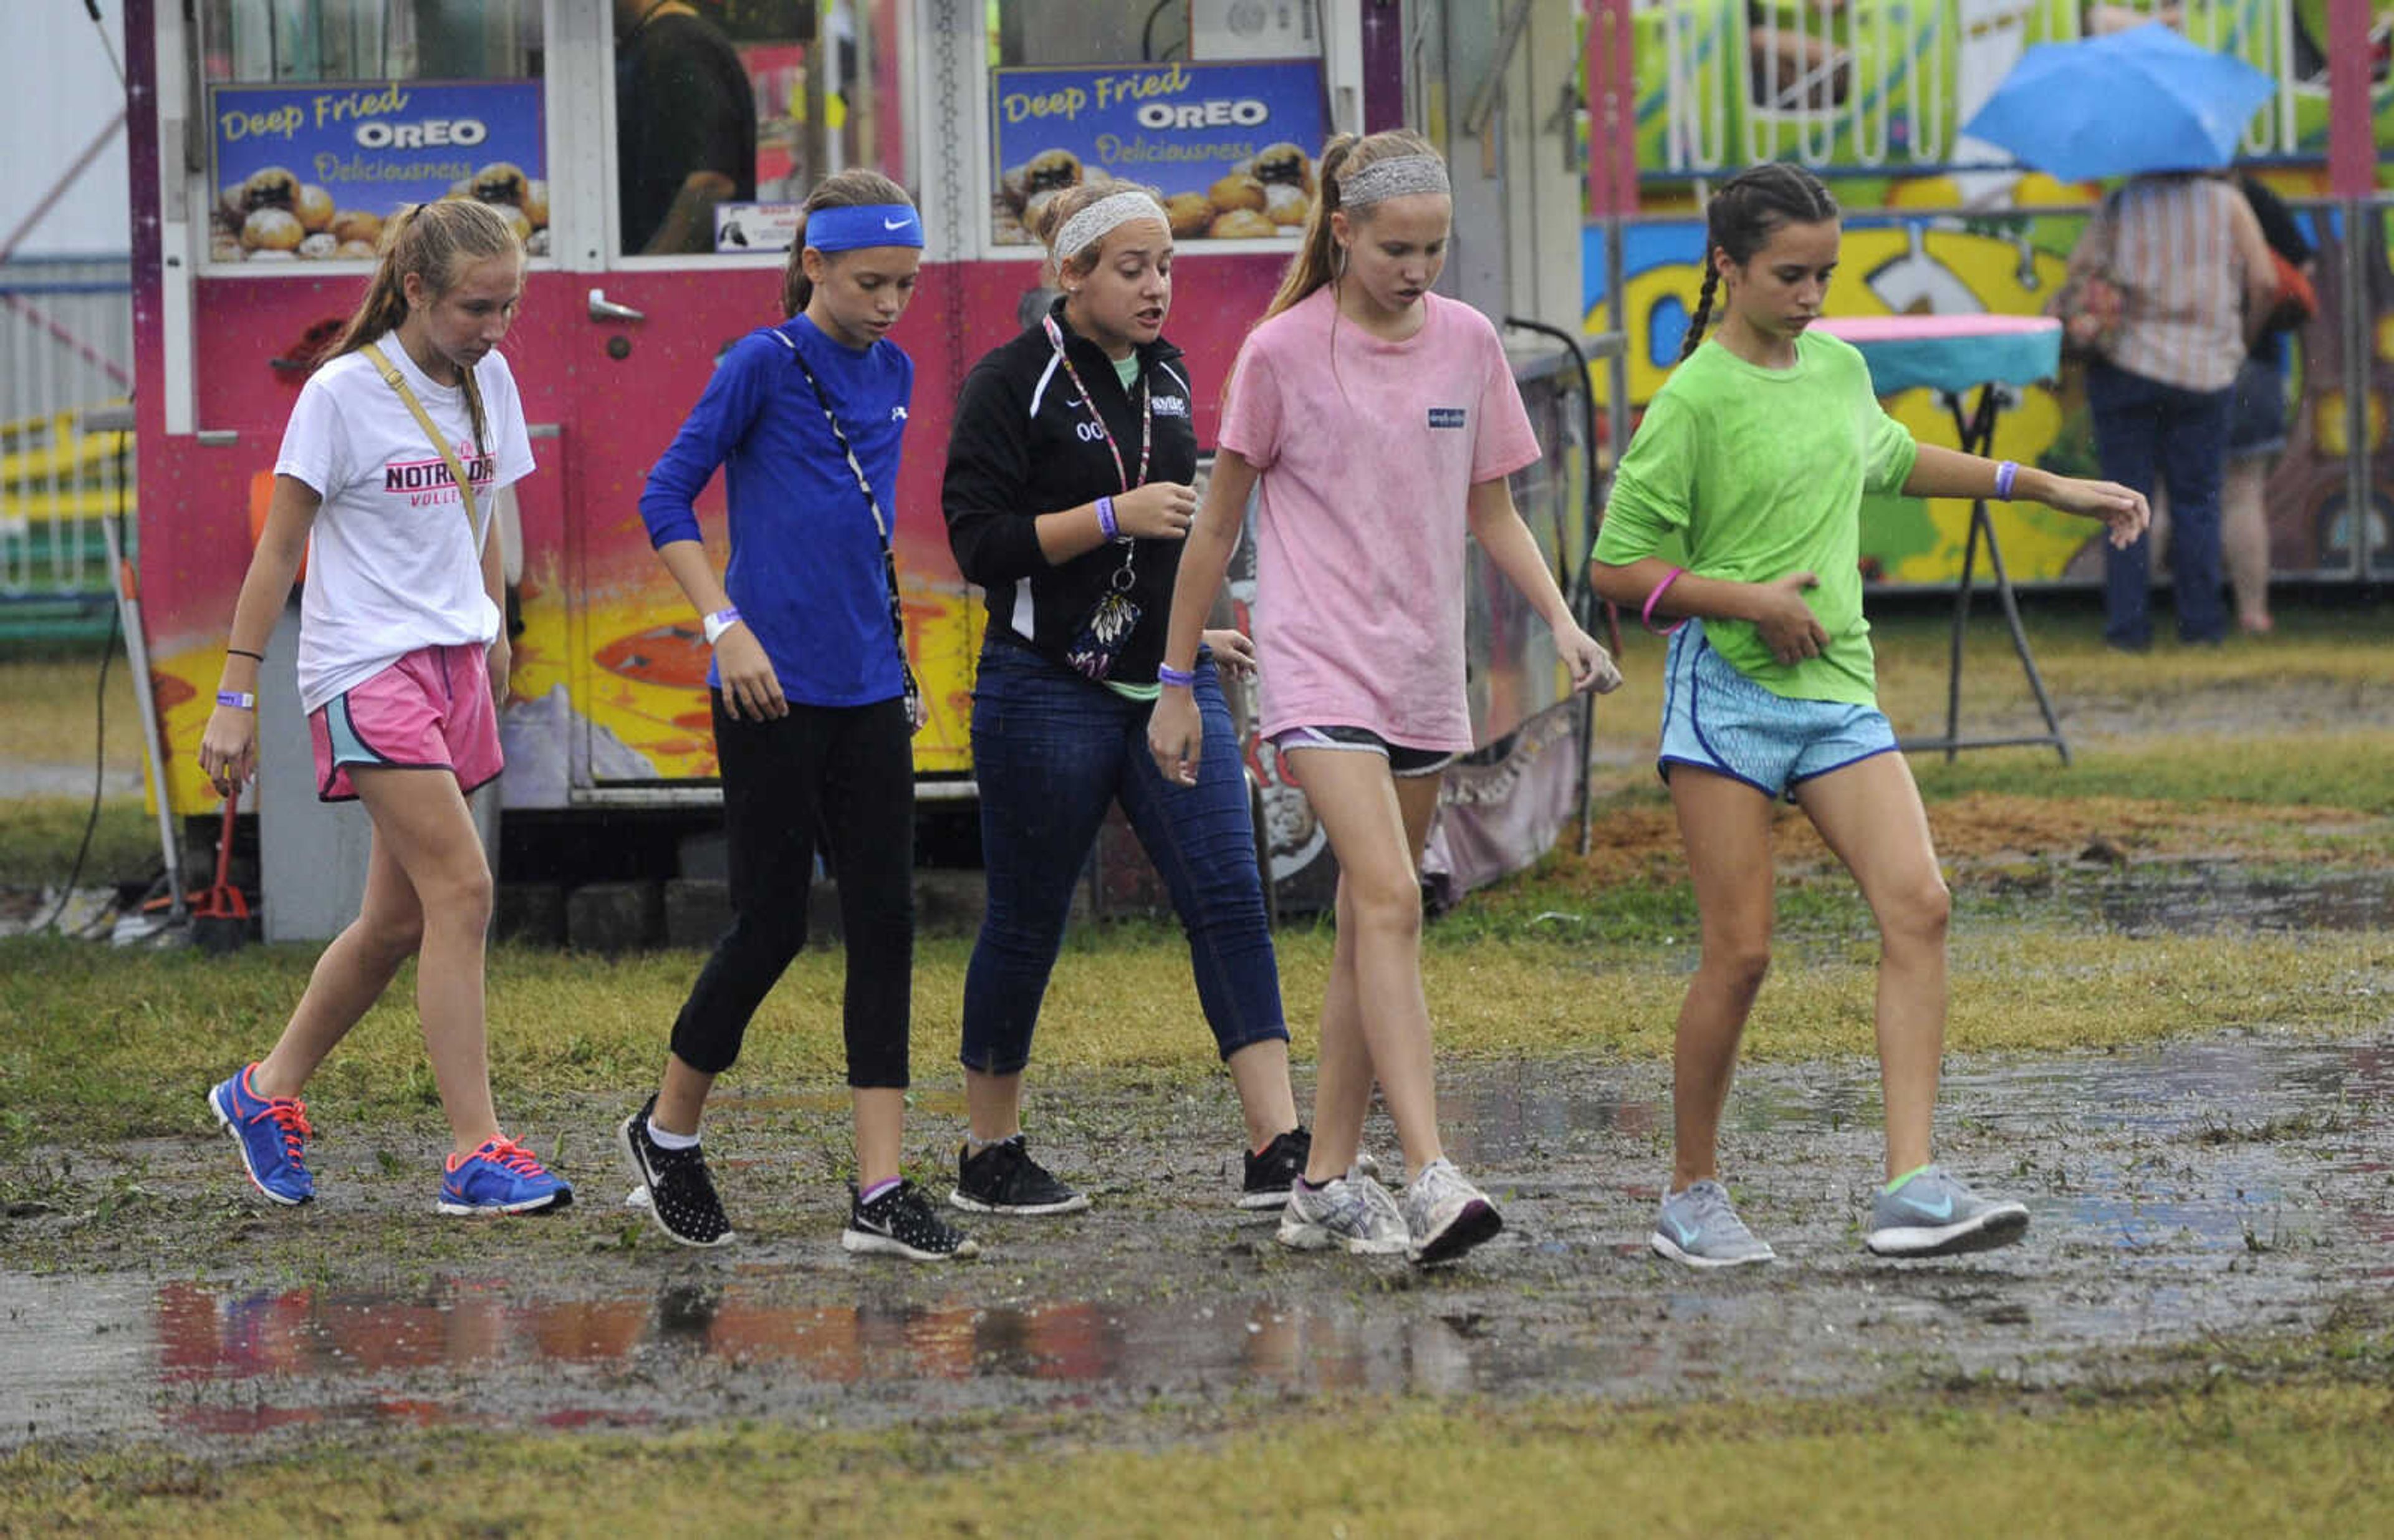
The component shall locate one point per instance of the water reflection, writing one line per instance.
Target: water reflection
(223, 1361)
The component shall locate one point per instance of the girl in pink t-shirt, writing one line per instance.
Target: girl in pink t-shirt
(1380, 421)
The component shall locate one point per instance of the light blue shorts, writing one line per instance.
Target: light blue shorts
(1716, 718)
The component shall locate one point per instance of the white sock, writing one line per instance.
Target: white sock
(668, 1140)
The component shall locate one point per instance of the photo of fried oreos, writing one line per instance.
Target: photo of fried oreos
(1227, 145)
(1024, 189)
(1283, 166)
(272, 215)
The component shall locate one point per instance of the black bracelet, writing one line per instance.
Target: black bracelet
(244, 653)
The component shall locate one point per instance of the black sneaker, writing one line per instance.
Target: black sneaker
(1270, 1174)
(682, 1194)
(901, 1222)
(1003, 1179)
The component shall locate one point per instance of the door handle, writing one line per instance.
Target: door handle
(604, 309)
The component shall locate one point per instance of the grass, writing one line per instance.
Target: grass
(125, 1037)
(2223, 1457)
(50, 705)
(39, 837)
(2250, 743)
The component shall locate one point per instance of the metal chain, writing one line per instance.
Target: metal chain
(947, 25)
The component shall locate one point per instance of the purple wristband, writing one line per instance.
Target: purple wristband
(1106, 525)
(2005, 475)
(1182, 679)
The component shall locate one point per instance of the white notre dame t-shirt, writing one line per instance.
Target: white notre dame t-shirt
(392, 565)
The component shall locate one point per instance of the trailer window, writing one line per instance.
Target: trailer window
(728, 113)
(259, 42)
(325, 117)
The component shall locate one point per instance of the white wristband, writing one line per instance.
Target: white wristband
(717, 623)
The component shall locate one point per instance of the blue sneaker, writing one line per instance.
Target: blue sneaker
(1698, 1228)
(500, 1178)
(1936, 1215)
(272, 1132)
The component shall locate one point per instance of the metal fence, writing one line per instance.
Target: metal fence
(66, 349)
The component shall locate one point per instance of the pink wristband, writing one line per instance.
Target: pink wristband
(1646, 617)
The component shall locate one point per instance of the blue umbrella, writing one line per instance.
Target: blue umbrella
(2145, 99)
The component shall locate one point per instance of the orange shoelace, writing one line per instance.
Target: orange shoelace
(507, 1152)
(290, 1115)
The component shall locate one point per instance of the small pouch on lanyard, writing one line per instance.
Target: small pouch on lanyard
(1111, 621)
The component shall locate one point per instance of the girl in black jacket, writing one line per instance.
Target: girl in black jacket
(1067, 496)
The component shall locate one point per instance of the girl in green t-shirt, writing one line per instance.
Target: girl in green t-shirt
(1756, 453)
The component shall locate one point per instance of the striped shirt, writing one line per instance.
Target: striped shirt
(2177, 246)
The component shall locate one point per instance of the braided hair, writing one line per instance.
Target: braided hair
(1742, 217)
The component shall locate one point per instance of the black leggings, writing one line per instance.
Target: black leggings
(841, 778)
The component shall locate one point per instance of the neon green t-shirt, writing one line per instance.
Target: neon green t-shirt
(1763, 472)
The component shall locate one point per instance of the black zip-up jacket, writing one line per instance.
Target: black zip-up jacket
(1023, 445)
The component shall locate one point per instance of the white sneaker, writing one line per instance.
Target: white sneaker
(1446, 1215)
(1352, 1214)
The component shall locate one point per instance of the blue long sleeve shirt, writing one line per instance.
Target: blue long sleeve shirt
(806, 559)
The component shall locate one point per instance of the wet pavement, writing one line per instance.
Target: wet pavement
(2231, 1185)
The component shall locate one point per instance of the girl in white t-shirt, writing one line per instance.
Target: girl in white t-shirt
(401, 658)
(1381, 421)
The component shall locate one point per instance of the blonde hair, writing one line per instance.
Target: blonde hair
(1057, 212)
(1316, 262)
(436, 243)
(855, 187)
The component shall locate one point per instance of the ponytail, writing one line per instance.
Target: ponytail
(436, 243)
(851, 189)
(1316, 262)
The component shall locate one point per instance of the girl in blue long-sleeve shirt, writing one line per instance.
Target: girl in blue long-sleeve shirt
(814, 704)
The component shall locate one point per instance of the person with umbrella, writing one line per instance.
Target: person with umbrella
(2186, 255)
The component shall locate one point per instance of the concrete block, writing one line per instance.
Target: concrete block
(532, 912)
(949, 901)
(706, 857)
(698, 910)
(614, 917)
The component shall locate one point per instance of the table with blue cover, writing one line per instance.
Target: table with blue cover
(1954, 355)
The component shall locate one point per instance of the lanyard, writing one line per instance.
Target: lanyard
(1146, 411)
(915, 712)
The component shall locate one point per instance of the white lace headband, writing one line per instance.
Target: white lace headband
(1098, 220)
(1393, 178)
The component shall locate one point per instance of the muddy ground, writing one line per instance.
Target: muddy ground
(2230, 1187)
(2224, 1186)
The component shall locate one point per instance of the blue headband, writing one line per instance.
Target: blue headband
(846, 229)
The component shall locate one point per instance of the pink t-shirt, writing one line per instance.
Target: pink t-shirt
(1368, 452)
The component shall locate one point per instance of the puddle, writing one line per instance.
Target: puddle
(2231, 1185)
(191, 1358)
(2206, 900)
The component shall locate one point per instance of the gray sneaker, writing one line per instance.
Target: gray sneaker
(1349, 1212)
(1700, 1229)
(1445, 1215)
(1937, 1214)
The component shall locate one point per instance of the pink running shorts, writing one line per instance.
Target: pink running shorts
(430, 710)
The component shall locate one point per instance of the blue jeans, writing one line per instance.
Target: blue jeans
(2144, 429)
(1052, 752)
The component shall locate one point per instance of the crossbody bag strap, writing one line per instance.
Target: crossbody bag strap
(397, 381)
(889, 557)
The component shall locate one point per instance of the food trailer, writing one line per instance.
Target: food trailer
(271, 137)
